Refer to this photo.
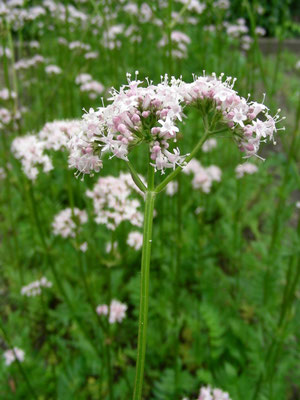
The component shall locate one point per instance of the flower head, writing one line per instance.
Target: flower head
(152, 114)
(67, 221)
(113, 201)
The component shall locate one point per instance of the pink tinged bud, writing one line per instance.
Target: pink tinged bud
(164, 112)
(229, 100)
(251, 116)
(250, 147)
(127, 120)
(125, 141)
(156, 103)
(230, 115)
(153, 156)
(119, 137)
(156, 149)
(155, 130)
(116, 121)
(135, 119)
(230, 124)
(145, 114)
(122, 128)
(88, 150)
(248, 131)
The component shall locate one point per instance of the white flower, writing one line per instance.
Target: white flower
(246, 168)
(53, 70)
(56, 135)
(13, 355)
(207, 393)
(30, 151)
(172, 188)
(117, 311)
(102, 309)
(209, 145)
(67, 221)
(83, 247)
(118, 127)
(113, 202)
(135, 240)
(35, 288)
(203, 176)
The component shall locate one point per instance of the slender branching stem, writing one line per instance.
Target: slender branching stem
(144, 290)
(150, 195)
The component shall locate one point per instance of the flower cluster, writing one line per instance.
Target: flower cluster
(55, 135)
(88, 85)
(152, 114)
(12, 355)
(29, 62)
(113, 203)
(203, 176)
(180, 41)
(5, 117)
(30, 151)
(209, 145)
(207, 393)
(116, 311)
(35, 288)
(53, 70)
(6, 94)
(135, 240)
(67, 221)
(244, 169)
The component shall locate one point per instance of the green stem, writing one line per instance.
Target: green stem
(14, 253)
(109, 339)
(144, 291)
(13, 71)
(176, 286)
(169, 32)
(135, 177)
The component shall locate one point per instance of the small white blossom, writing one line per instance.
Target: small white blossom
(66, 222)
(113, 202)
(35, 288)
(53, 70)
(172, 188)
(12, 355)
(246, 168)
(116, 311)
(83, 247)
(209, 145)
(30, 151)
(207, 393)
(135, 240)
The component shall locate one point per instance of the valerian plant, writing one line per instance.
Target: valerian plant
(152, 114)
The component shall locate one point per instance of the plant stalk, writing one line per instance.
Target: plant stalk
(144, 291)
